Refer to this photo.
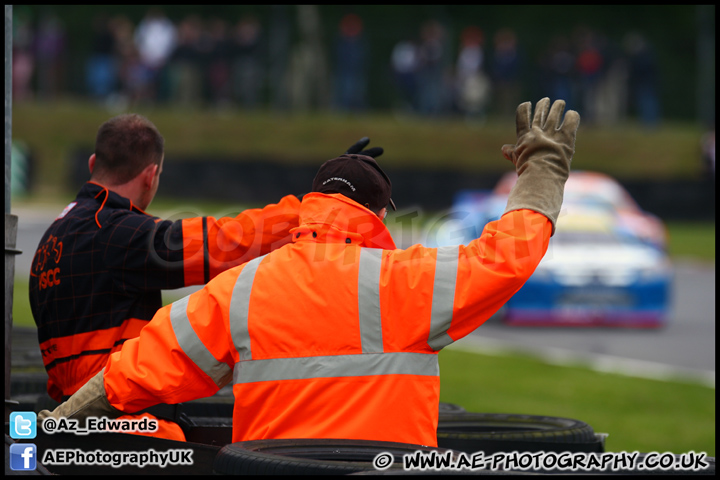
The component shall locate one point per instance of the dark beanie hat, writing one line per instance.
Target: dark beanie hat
(358, 177)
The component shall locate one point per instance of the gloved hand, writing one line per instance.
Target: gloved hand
(357, 148)
(542, 157)
(90, 401)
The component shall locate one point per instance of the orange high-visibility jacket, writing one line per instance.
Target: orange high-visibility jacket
(98, 272)
(333, 336)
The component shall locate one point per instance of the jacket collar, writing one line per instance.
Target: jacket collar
(334, 218)
(106, 197)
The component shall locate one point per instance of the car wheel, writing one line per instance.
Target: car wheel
(495, 432)
(309, 456)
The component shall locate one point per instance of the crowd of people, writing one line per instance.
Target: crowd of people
(602, 80)
(287, 62)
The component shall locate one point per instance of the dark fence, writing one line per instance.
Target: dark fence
(260, 181)
(675, 199)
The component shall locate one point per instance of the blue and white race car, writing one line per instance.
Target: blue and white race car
(606, 265)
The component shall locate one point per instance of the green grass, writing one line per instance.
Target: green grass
(638, 414)
(22, 315)
(691, 240)
(53, 132)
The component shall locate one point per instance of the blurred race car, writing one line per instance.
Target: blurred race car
(605, 265)
(595, 191)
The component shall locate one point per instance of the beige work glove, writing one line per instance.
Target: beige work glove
(90, 401)
(542, 157)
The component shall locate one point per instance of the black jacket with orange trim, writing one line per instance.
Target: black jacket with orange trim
(97, 274)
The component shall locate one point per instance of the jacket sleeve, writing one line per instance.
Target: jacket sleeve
(450, 291)
(150, 253)
(186, 352)
(494, 267)
(211, 246)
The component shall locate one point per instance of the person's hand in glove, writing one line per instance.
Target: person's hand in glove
(90, 401)
(542, 156)
(357, 148)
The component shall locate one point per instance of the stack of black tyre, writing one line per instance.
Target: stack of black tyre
(458, 431)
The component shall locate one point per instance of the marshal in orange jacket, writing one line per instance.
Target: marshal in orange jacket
(333, 336)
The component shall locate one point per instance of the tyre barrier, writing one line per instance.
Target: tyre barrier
(313, 456)
(495, 432)
(450, 409)
(457, 429)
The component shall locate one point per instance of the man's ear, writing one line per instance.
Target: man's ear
(149, 175)
(91, 163)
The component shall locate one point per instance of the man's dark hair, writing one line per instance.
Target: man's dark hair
(125, 145)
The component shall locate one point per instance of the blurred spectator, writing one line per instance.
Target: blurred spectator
(472, 84)
(101, 67)
(643, 78)
(612, 90)
(155, 38)
(350, 65)
(405, 63)
(432, 68)
(247, 66)
(506, 72)
(122, 29)
(219, 58)
(308, 65)
(138, 79)
(50, 46)
(23, 60)
(184, 65)
(590, 64)
(559, 63)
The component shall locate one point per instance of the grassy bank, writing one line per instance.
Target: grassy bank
(54, 131)
(638, 414)
(691, 240)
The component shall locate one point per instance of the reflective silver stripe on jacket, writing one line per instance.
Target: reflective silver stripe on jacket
(239, 308)
(369, 300)
(446, 269)
(371, 361)
(443, 298)
(193, 346)
(302, 368)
